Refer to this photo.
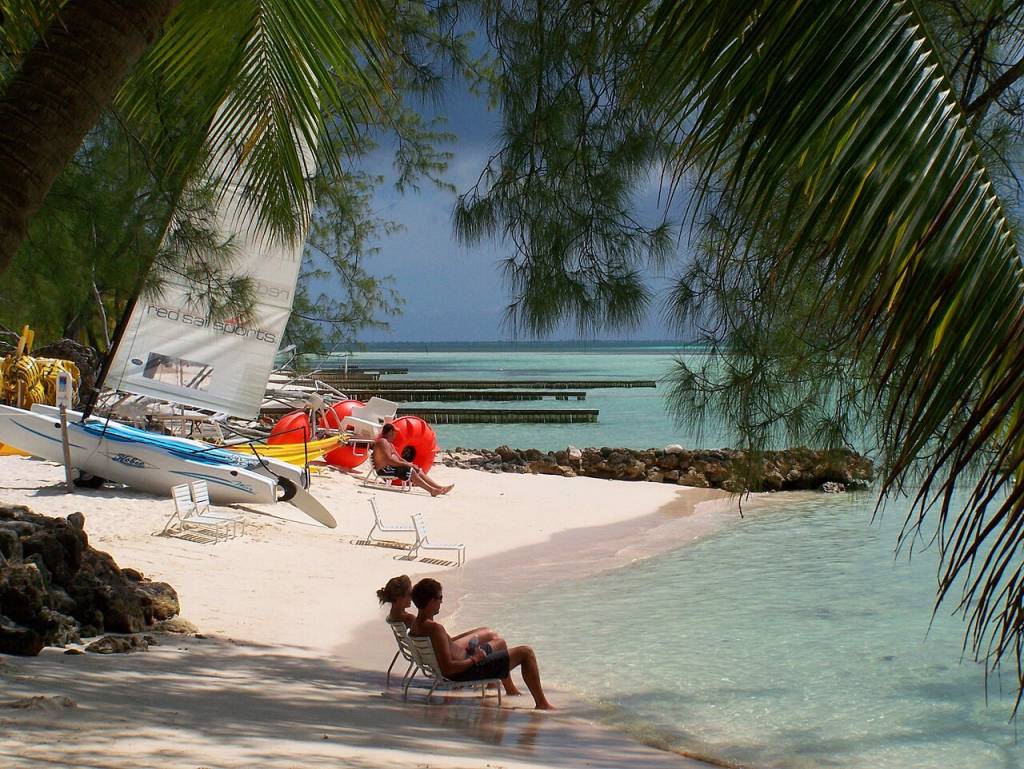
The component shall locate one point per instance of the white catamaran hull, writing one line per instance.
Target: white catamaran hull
(154, 463)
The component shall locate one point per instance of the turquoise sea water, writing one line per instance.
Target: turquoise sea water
(629, 418)
(791, 638)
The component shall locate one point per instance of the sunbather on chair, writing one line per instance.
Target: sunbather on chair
(480, 665)
(389, 464)
(398, 593)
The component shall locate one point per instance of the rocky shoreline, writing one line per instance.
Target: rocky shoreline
(731, 470)
(55, 588)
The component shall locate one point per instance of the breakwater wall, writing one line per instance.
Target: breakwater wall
(732, 470)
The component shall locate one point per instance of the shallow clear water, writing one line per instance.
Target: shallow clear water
(792, 638)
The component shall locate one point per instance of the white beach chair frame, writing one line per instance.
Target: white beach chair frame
(423, 541)
(387, 528)
(186, 517)
(426, 660)
(405, 650)
(374, 480)
(201, 497)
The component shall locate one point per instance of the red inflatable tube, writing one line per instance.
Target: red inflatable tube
(291, 428)
(348, 457)
(415, 441)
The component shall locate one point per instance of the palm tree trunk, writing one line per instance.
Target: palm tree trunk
(57, 95)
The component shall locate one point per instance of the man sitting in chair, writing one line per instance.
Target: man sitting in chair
(481, 663)
(389, 464)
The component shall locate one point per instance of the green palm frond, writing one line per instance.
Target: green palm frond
(273, 72)
(847, 111)
(22, 22)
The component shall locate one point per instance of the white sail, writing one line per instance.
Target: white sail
(173, 351)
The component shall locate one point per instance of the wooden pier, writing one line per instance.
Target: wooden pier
(383, 386)
(500, 416)
(364, 383)
(359, 370)
(452, 396)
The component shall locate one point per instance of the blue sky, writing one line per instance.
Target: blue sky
(453, 292)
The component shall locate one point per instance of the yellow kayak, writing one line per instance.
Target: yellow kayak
(10, 451)
(292, 453)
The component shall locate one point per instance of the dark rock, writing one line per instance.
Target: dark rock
(668, 461)
(20, 640)
(728, 469)
(618, 458)
(55, 588)
(22, 593)
(59, 548)
(60, 628)
(176, 625)
(113, 644)
(692, 478)
(10, 545)
(715, 472)
(772, 481)
(122, 609)
(162, 599)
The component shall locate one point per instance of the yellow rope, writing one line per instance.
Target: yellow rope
(25, 380)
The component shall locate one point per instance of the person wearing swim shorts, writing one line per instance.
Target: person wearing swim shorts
(427, 595)
(389, 464)
(398, 593)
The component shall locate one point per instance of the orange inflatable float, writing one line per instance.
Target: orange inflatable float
(415, 441)
(344, 456)
(291, 428)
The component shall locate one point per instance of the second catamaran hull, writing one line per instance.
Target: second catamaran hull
(154, 463)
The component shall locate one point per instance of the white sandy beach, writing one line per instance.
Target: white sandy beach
(291, 671)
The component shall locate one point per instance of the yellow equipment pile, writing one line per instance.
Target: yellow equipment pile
(25, 380)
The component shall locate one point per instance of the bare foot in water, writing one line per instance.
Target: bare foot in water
(545, 706)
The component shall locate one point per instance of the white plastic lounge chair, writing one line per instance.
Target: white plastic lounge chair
(387, 528)
(404, 650)
(186, 517)
(380, 410)
(374, 480)
(423, 542)
(201, 496)
(424, 657)
(366, 422)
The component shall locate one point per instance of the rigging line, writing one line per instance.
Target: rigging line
(108, 358)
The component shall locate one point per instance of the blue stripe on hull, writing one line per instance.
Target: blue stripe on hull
(46, 436)
(112, 431)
